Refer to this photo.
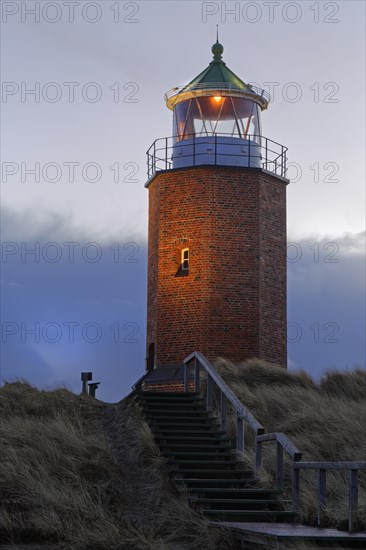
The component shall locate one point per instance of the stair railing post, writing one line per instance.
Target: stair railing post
(258, 458)
(353, 500)
(196, 375)
(239, 433)
(186, 377)
(223, 412)
(322, 481)
(209, 394)
(279, 466)
(295, 488)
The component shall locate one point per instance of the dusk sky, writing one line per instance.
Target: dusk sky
(82, 101)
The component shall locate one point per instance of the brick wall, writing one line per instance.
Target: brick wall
(232, 303)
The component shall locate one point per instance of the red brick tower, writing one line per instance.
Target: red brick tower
(217, 226)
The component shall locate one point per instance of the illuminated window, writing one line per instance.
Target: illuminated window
(185, 259)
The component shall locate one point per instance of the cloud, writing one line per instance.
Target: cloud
(352, 243)
(326, 297)
(47, 225)
(344, 244)
(71, 316)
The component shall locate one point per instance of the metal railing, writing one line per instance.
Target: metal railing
(283, 443)
(262, 152)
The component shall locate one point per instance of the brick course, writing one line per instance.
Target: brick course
(232, 303)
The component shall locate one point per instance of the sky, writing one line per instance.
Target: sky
(82, 101)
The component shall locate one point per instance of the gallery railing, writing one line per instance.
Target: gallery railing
(251, 151)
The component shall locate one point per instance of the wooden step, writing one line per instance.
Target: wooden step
(211, 456)
(173, 412)
(183, 425)
(248, 515)
(192, 419)
(206, 438)
(204, 463)
(237, 504)
(172, 402)
(169, 404)
(219, 448)
(204, 472)
(194, 433)
(169, 395)
(283, 533)
(214, 483)
(250, 493)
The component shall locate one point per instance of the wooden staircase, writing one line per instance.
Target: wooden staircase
(203, 462)
(206, 465)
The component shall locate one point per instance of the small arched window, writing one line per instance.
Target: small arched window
(185, 259)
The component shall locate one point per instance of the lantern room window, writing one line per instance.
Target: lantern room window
(217, 114)
(185, 259)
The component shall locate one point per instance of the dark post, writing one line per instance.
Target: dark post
(258, 457)
(353, 500)
(155, 159)
(321, 493)
(85, 377)
(223, 412)
(295, 488)
(209, 404)
(239, 433)
(196, 375)
(186, 377)
(93, 388)
(279, 466)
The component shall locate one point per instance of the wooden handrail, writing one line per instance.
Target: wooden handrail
(227, 394)
(322, 468)
(283, 444)
(327, 465)
(282, 441)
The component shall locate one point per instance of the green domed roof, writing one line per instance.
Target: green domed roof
(217, 78)
(216, 73)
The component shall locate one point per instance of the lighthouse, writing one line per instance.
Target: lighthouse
(217, 226)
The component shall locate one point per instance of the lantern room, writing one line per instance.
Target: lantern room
(217, 118)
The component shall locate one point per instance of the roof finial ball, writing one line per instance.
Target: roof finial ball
(217, 49)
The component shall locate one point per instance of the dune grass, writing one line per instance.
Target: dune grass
(80, 474)
(326, 421)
